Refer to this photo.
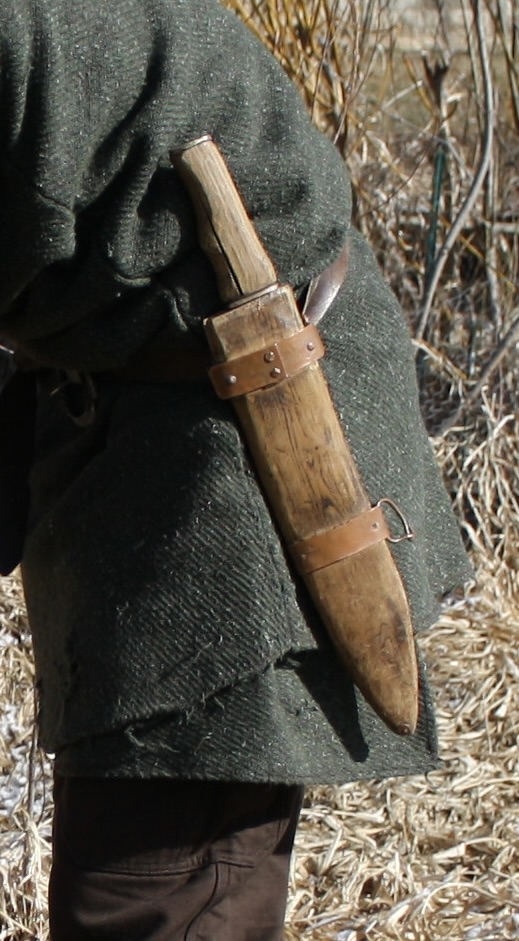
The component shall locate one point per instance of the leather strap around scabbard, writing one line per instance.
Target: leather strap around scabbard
(331, 545)
(268, 366)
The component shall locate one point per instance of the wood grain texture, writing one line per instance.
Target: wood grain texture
(226, 233)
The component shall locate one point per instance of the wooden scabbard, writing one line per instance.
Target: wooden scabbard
(300, 452)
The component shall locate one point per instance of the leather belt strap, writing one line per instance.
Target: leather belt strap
(159, 361)
(164, 363)
(268, 366)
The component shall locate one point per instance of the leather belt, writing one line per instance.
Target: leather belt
(163, 361)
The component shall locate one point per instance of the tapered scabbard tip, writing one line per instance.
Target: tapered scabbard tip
(403, 722)
(404, 729)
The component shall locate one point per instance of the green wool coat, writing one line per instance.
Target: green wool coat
(171, 636)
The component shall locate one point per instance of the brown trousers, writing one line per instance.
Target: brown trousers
(165, 860)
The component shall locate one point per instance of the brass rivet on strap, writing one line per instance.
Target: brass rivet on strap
(268, 366)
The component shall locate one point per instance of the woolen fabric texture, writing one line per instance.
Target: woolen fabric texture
(171, 636)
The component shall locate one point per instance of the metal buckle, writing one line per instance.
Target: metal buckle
(408, 532)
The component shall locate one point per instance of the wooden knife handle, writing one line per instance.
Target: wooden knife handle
(226, 234)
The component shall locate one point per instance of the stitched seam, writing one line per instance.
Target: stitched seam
(191, 864)
(215, 896)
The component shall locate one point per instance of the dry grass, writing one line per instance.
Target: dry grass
(422, 859)
(435, 858)
(25, 807)
(428, 119)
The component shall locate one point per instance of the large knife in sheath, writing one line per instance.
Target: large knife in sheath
(267, 363)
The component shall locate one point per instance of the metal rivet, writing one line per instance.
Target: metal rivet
(275, 372)
(310, 346)
(269, 356)
(230, 380)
